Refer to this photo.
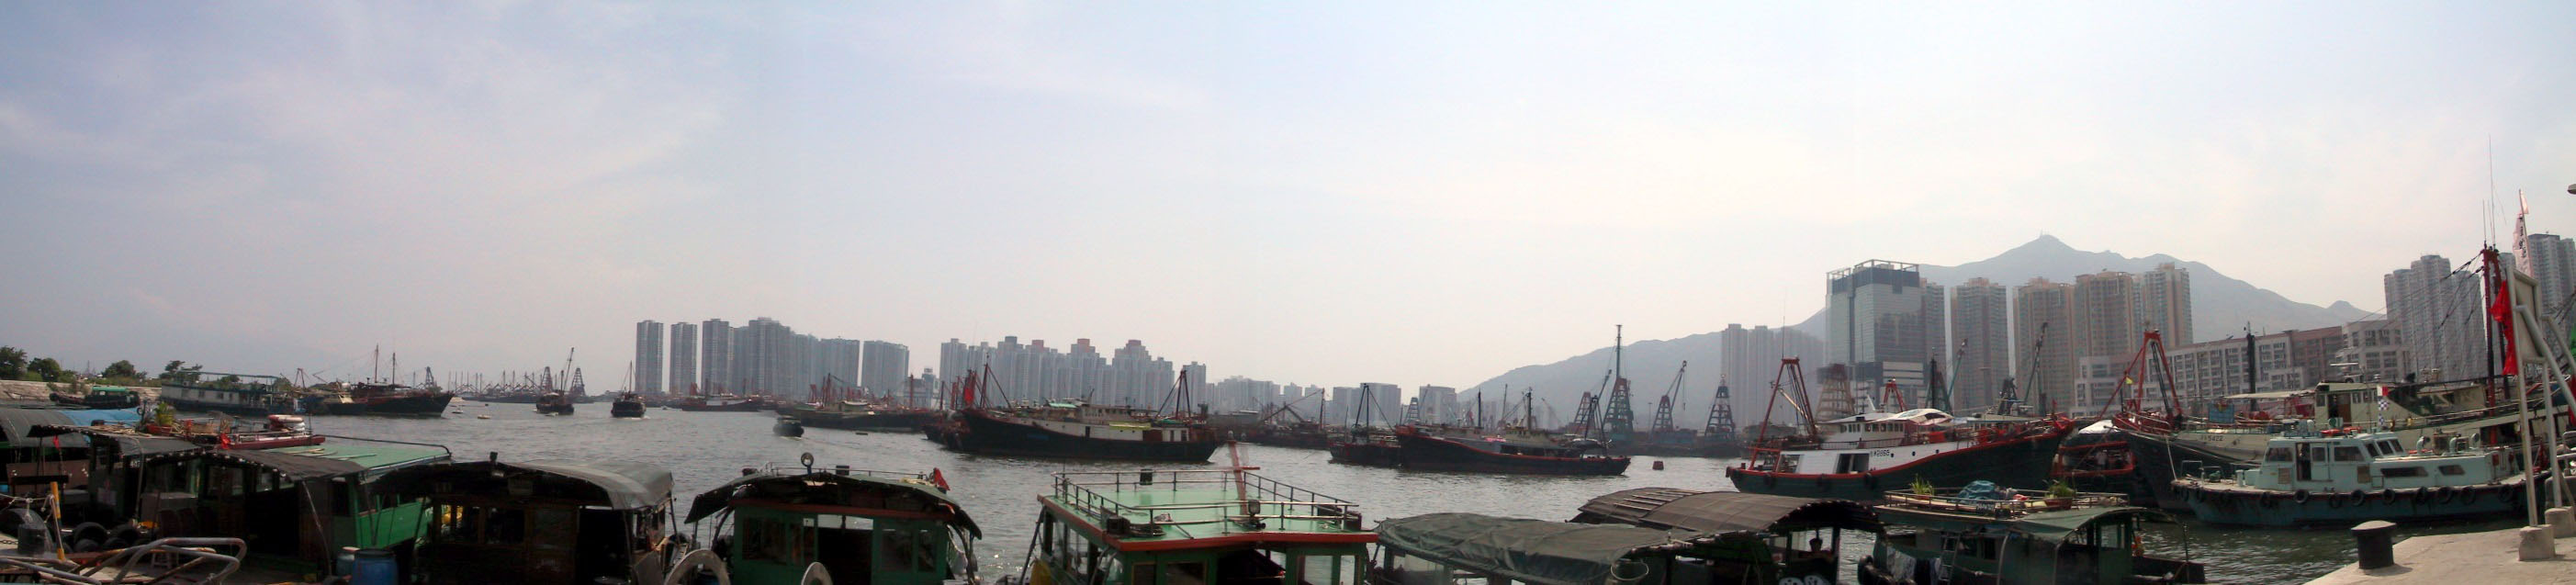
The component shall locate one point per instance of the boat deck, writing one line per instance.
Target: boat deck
(1181, 506)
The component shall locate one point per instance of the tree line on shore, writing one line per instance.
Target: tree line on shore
(15, 365)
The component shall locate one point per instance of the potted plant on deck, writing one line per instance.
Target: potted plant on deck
(2060, 495)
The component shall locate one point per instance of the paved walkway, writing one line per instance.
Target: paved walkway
(2460, 559)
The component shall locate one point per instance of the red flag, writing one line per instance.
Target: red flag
(938, 479)
(2501, 309)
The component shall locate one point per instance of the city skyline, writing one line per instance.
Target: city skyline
(1434, 196)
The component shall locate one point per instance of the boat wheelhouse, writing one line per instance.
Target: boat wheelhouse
(561, 522)
(1981, 535)
(2342, 478)
(854, 526)
(1761, 538)
(1193, 526)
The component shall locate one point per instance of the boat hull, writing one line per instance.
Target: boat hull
(626, 409)
(415, 405)
(864, 420)
(1430, 453)
(1372, 454)
(2021, 463)
(984, 435)
(2273, 508)
(560, 409)
(743, 406)
(788, 429)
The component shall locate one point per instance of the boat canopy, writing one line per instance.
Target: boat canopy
(830, 489)
(2054, 526)
(1535, 551)
(619, 485)
(17, 424)
(127, 444)
(1722, 512)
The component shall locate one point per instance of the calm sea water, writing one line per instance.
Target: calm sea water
(703, 449)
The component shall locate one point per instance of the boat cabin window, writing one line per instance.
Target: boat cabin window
(908, 551)
(2348, 454)
(2454, 470)
(2277, 454)
(2407, 471)
(2390, 446)
(478, 525)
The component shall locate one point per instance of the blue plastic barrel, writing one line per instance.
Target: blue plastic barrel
(375, 567)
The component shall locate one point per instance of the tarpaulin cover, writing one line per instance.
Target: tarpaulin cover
(126, 443)
(1535, 551)
(1721, 512)
(622, 485)
(825, 488)
(15, 422)
(2055, 526)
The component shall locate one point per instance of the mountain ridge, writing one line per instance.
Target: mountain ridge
(2221, 306)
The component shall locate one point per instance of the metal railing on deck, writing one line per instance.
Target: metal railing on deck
(1242, 498)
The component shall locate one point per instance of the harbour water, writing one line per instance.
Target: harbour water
(703, 449)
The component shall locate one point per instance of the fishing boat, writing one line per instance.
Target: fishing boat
(2335, 478)
(540, 522)
(1300, 434)
(1076, 429)
(718, 403)
(1519, 450)
(1362, 444)
(1193, 526)
(1859, 456)
(99, 397)
(554, 403)
(1366, 446)
(229, 393)
(628, 405)
(1741, 537)
(380, 400)
(786, 525)
(788, 426)
(838, 406)
(1983, 534)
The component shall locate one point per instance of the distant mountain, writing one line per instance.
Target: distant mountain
(2221, 306)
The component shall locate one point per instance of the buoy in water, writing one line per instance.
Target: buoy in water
(1659, 466)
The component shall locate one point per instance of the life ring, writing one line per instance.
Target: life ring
(2299, 497)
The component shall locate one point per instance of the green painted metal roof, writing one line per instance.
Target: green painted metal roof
(1533, 551)
(2054, 526)
(370, 456)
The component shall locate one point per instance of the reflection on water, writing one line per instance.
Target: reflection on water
(703, 449)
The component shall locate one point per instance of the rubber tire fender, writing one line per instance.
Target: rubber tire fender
(2299, 497)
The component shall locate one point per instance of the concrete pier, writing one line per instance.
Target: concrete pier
(2454, 559)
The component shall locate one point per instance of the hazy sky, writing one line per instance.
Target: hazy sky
(1307, 192)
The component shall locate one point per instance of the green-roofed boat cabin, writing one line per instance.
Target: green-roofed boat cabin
(295, 507)
(540, 522)
(853, 526)
(1755, 538)
(2015, 536)
(1192, 526)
